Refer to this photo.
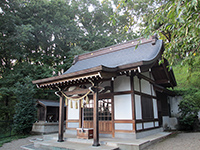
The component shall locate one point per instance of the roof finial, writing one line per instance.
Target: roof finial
(75, 59)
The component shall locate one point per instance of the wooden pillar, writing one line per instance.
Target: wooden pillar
(95, 117)
(80, 114)
(133, 101)
(45, 113)
(61, 119)
(112, 109)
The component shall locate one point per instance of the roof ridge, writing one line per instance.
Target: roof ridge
(113, 48)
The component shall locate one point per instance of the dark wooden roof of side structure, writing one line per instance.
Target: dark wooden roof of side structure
(111, 61)
(50, 103)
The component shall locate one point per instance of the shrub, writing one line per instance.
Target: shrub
(188, 109)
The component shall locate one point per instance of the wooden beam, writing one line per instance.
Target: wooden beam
(145, 78)
(95, 117)
(164, 81)
(167, 72)
(108, 75)
(61, 119)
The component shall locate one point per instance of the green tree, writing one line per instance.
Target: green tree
(93, 18)
(177, 23)
(46, 32)
(34, 41)
(188, 109)
(25, 111)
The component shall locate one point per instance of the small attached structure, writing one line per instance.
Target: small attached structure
(48, 110)
(47, 117)
(124, 86)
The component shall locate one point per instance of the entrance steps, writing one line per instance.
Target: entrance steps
(49, 142)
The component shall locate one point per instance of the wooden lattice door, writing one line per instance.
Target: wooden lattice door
(105, 115)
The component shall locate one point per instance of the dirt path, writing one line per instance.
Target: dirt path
(15, 145)
(181, 141)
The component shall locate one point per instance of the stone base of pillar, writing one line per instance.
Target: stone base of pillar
(96, 144)
(60, 140)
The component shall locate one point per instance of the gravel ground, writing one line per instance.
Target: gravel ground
(15, 145)
(180, 141)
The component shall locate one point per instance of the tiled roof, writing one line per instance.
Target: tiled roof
(143, 53)
(138, 55)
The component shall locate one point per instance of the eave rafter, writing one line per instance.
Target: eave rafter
(163, 75)
(70, 81)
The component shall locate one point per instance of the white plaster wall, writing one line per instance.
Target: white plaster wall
(123, 126)
(156, 124)
(148, 125)
(72, 124)
(138, 109)
(122, 107)
(155, 108)
(73, 113)
(174, 102)
(136, 83)
(145, 87)
(138, 126)
(122, 83)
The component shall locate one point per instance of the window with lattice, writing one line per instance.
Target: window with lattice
(104, 110)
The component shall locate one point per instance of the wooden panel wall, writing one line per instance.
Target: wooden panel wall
(104, 126)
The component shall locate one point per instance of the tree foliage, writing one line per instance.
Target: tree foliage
(177, 22)
(39, 39)
(188, 109)
(93, 18)
(25, 111)
(189, 88)
(34, 43)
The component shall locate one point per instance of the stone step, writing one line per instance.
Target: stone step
(66, 145)
(71, 142)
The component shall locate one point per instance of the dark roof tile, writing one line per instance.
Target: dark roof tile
(144, 52)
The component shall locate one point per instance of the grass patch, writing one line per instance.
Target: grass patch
(9, 139)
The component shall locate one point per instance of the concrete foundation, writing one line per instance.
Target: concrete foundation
(72, 143)
(170, 123)
(143, 134)
(42, 127)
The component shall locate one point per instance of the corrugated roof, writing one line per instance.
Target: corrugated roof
(143, 53)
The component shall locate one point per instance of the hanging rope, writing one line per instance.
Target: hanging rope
(76, 99)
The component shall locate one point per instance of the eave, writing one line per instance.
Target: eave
(96, 73)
